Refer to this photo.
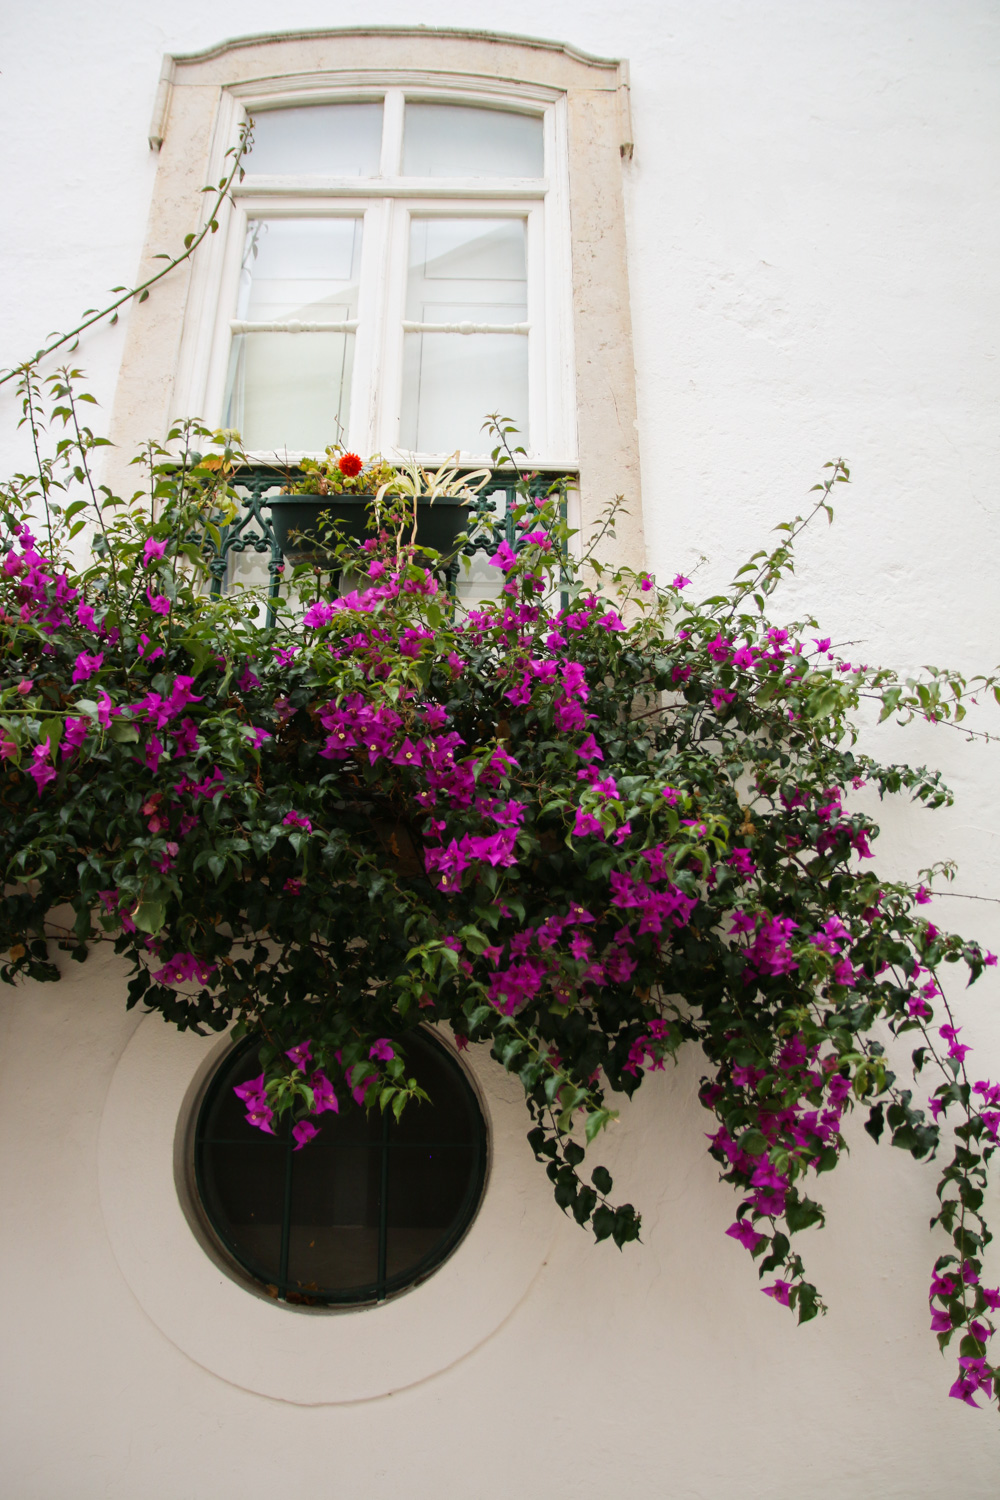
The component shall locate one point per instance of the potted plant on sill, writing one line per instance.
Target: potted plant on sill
(344, 496)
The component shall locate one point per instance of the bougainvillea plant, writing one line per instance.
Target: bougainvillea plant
(585, 823)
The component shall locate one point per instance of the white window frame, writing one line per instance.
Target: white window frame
(584, 102)
(387, 202)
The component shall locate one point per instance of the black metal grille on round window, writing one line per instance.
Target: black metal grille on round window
(369, 1207)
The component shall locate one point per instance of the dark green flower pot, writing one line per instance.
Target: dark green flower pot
(438, 524)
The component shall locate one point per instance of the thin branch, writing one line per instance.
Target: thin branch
(141, 292)
(961, 896)
(769, 571)
(43, 479)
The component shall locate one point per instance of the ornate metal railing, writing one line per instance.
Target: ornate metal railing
(252, 531)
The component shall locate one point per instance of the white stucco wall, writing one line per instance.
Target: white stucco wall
(813, 224)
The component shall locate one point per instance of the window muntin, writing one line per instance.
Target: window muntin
(396, 372)
(370, 1207)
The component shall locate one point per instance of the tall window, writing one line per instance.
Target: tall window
(432, 226)
(392, 275)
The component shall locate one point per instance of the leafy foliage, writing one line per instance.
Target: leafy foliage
(587, 823)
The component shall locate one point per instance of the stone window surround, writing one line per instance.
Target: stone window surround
(200, 95)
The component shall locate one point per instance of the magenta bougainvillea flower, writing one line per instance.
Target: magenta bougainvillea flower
(295, 819)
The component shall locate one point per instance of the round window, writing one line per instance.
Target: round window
(369, 1207)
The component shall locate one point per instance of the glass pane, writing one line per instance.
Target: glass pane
(243, 1190)
(327, 140)
(464, 270)
(292, 390)
(427, 1191)
(333, 1244)
(452, 140)
(471, 270)
(300, 268)
(451, 381)
(450, 1117)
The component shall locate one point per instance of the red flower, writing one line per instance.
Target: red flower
(349, 465)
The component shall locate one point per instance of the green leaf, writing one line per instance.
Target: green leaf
(565, 1189)
(597, 1120)
(511, 1049)
(603, 1222)
(149, 916)
(583, 1205)
(51, 730)
(602, 1180)
(875, 1124)
(626, 1225)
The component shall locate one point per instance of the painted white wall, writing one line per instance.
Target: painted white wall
(813, 226)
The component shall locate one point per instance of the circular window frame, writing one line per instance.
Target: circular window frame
(227, 1254)
(303, 1355)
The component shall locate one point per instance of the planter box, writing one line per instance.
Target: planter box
(438, 523)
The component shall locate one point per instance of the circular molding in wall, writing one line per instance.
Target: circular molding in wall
(307, 1356)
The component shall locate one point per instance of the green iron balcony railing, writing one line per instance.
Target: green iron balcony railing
(490, 521)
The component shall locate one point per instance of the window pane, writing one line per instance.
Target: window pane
(467, 270)
(326, 140)
(428, 1190)
(300, 268)
(333, 1241)
(463, 270)
(243, 1189)
(450, 1119)
(293, 389)
(452, 140)
(451, 381)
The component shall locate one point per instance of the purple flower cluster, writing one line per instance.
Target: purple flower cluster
(260, 1113)
(648, 1050)
(448, 863)
(44, 597)
(950, 1289)
(770, 952)
(556, 956)
(631, 892)
(797, 1102)
(184, 968)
